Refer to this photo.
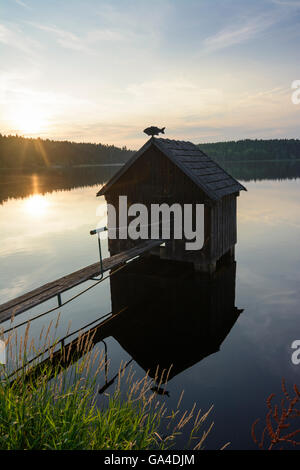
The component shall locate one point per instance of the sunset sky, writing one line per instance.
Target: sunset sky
(101, 71)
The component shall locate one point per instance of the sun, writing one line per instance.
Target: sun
(28, 119)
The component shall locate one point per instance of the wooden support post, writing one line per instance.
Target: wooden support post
(205, 267)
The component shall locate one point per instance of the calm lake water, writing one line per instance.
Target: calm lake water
(230, 359)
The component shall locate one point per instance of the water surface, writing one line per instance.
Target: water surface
(45, 235)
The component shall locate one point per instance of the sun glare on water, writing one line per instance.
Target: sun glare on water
(36, 205)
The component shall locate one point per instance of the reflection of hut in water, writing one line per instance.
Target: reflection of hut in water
(164, 314)
(173, 317)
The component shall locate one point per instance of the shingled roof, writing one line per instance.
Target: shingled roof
(199, 167)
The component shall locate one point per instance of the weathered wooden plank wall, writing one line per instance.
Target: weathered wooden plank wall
(155, 179)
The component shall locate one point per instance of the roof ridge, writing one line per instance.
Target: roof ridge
(184, 166)
(165, 146)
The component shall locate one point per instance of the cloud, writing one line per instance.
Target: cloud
(64, 38)
(290, 3)
(14, 37)
(172, 95)
(85, 43)
(22, 4)
(137, 15)
(233, 35)
(15, 94)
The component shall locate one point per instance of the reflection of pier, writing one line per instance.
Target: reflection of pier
(164, 314)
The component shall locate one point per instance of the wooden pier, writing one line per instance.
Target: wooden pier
(55, 288)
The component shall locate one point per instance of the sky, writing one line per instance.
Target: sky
(102, 71)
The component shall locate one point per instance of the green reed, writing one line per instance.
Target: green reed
(51, 406)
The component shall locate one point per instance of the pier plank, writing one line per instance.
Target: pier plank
(51, 289)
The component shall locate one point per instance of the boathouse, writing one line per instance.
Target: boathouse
(172, 172)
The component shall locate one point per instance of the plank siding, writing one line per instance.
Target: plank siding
(154, 178)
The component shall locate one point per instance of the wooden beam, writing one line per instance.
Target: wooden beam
(51, 289)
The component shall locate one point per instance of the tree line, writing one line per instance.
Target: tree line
(21, 152)
(250, 149)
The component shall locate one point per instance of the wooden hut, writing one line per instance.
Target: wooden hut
(170, 171)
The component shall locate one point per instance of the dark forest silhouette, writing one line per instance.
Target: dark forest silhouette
(21, 152)
(51, 165)
(250, 149)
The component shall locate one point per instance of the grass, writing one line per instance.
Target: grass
(60, 408)
(43, 417)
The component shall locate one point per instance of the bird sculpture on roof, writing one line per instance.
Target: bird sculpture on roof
(153, 130)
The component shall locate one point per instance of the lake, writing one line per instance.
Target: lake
(232, 358)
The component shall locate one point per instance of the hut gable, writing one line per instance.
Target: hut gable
(199, 167)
